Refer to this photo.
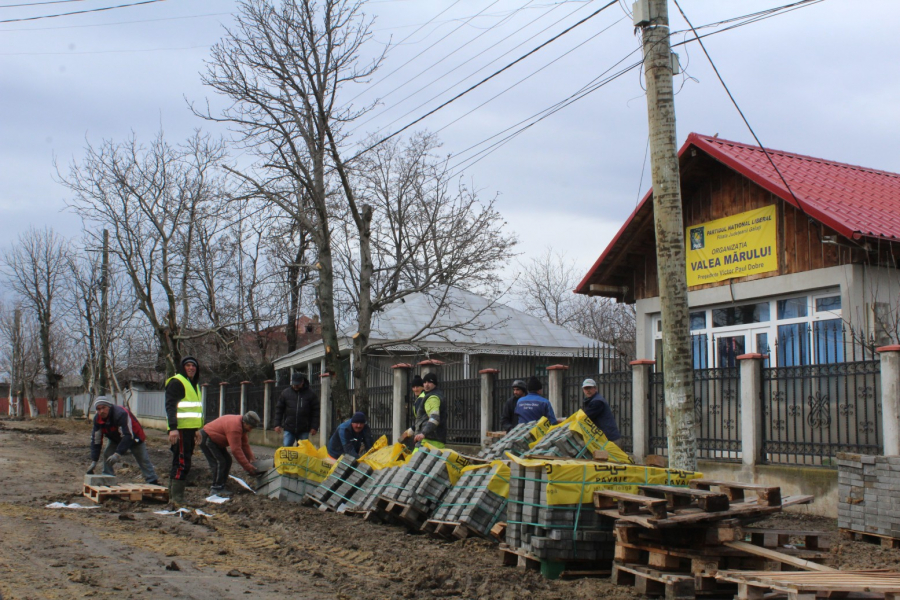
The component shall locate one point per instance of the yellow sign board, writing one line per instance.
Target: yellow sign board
(736, 246)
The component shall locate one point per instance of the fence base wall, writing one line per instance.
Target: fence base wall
(792, 479)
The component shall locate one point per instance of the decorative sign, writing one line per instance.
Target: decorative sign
(736, 246)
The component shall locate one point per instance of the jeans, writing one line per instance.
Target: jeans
(218, 458)
(141, 456)
(291, 440)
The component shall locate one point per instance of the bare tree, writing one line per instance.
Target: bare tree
(37, 268)
(151, 199)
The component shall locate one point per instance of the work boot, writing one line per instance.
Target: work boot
(176, 492)
(221, 492)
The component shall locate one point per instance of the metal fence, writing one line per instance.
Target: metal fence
(150, 404)
(717, 413)
(812, 412)
(463, 398)
(615, 387)
(381, 410)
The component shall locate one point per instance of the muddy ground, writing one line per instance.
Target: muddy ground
(251, 545)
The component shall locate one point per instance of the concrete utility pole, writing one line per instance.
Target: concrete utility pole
(104, 316)
(653, 17)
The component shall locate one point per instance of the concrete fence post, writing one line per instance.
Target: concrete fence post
(325, 410)
(398, 409)
(890, 398)
(751, 408)
(204, 394)
(640, 408)
(431, 366)
(488, 376)
(267, 400)
(556, 375)
(244, 385)
(222, 397)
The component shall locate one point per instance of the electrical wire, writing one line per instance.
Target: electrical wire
(38, 3)
(80, 12)
(136, 21)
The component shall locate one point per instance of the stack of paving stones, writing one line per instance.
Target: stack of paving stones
(472, 504)
(347, 483)
(553, 533)
(366, 502)
(562, 442)
(867, 487)
(518, 442)
(290, 488)
(98, 480)
(421, 483)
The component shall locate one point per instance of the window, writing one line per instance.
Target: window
(828, 304)
(829, 341)
(728, 348)
(699, 351)
(698, 320)
(792, 308)
(793, 345)
(740, 315)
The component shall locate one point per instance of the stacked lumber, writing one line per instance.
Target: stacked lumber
(517, 441)
(471, 507)
(344, 486)
(288, 486)
(867, 509)
(673, 541)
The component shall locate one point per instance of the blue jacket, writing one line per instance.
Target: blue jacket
(532, 407)
(346, 441)
(121, 427)
(597, 409)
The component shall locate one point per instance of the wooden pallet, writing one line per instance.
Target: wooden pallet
(885, 541)
(551, 569)
(448, 530)
(390, 511)
(779, 538)
(129, 491)
(651, 582)
(499, 531)
(736, 491)
(753, 585)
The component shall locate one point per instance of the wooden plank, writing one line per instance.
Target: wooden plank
(775, 555)
(630, 504)
(694, 515)
(766, 495)
(683, 497)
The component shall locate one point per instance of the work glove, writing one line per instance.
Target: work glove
(113, 459)
(90, 470)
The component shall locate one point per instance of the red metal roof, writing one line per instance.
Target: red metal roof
(856, 202)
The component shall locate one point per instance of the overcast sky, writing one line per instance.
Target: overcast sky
(822, 80)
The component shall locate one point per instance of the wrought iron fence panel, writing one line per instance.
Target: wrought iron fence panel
(255, 400)
(656, 414)
(812, 412)
(232, 400)
(463, 398)
(211, 408)
(717, 413)
(615, 387)
(502, 393)
(381, 410)
(273, 402)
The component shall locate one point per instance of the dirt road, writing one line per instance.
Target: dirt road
(255, 546)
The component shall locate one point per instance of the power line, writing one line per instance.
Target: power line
(38, 3)
(486, 79)
(441, 93)
(80, 12)
(103, 51)
(136, 21)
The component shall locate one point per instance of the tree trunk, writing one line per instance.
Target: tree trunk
(29, 398)
(325, 301)
(669, 223)
(51, 375)
(364, 319)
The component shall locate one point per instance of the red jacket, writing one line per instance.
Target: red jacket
(228, 431)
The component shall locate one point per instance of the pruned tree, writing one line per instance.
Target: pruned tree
(37, 270)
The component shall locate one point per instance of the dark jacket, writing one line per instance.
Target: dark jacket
(508, 418)
(346, 441)
(297, 412)
(174, 395)
(428, 421)
(121, 427)
(532, 407)
(597, 409)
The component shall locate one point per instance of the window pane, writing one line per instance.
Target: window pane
(659, 356)
(829, 338)
(699, 351)
(830, 303)
(741, 315)
(792, 308)
(762, 345)
(793, 345)
(728, 349)
(698, 320)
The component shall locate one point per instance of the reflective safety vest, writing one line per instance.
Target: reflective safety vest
(190, 408)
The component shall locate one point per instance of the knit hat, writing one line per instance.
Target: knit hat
(534, 384)
(297, 379)
(252, 419)
(430, 378)
(101, 401)
(189, 359)
(589, 383)
(416, 381)
(518, 383)
(358, 417)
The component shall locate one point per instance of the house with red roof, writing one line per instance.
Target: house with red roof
(781, 261)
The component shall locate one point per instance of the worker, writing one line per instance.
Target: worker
(430, 414)
(533, 406)
(508, 414)
(184, 416)
(125, 435)
(351, 437)
(297, 411)
(417, 386)
(228, 431)
(597, 409)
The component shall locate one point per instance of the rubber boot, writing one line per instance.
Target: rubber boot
(176, 491)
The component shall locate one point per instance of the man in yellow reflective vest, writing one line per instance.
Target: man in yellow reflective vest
(430, 413)
(184, 413)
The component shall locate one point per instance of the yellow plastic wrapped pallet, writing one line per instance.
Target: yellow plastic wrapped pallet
(499, 481)
(539, 430)
(594, 438)
(575, 481)
(382, 456)
(303, 460)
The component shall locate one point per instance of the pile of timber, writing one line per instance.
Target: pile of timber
(673, 541)
(470, 507)
(344, 487)
(867, 509)
(517, 441)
